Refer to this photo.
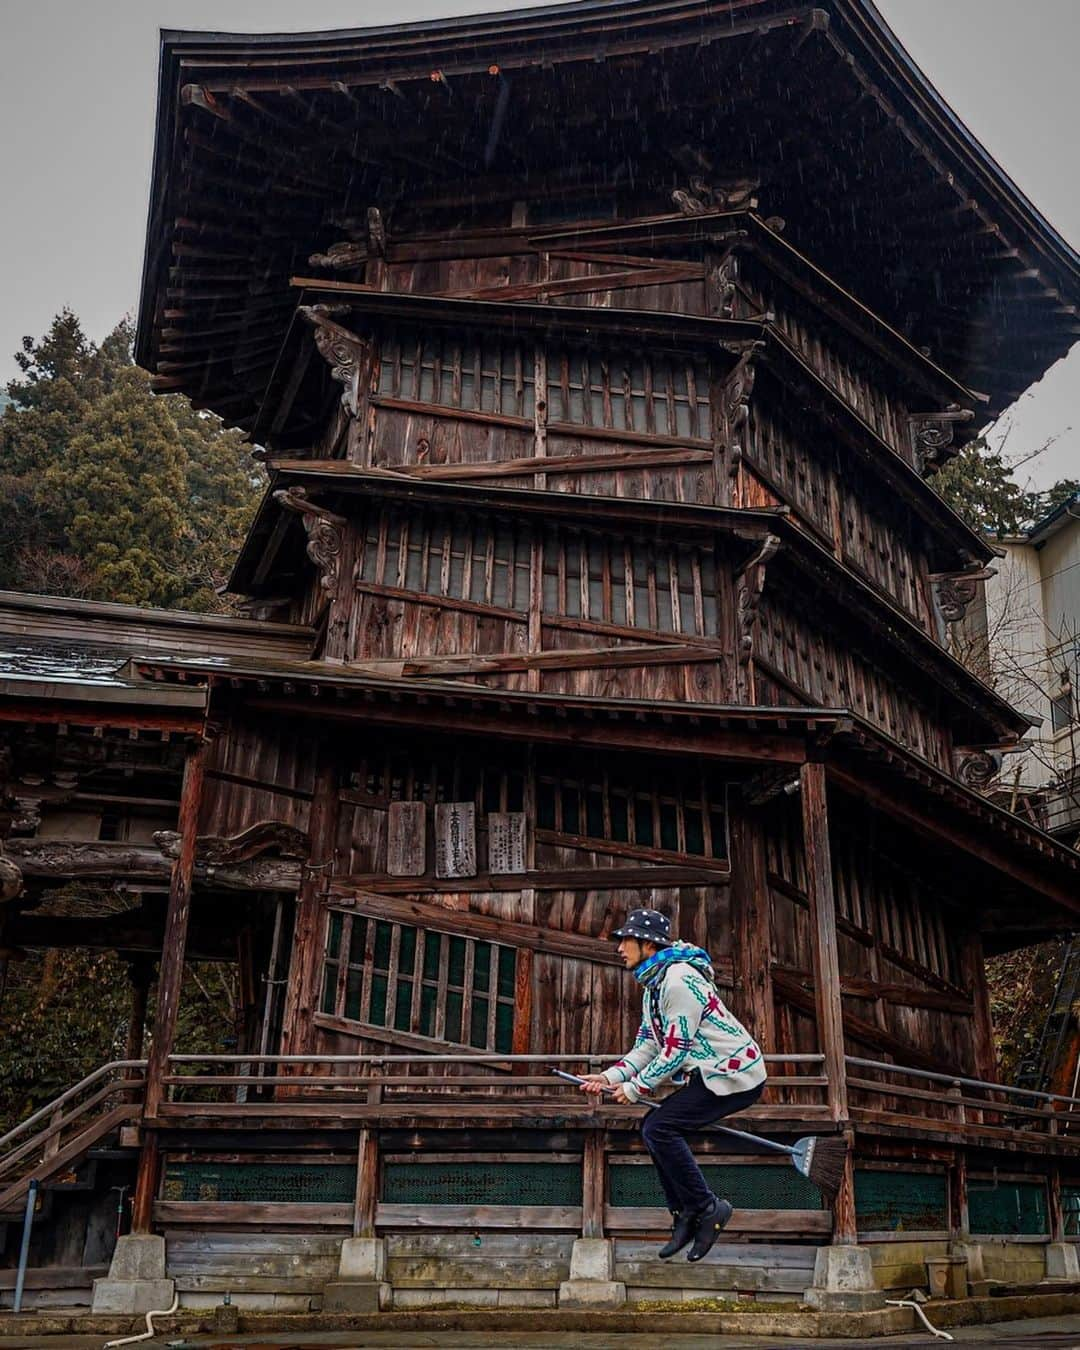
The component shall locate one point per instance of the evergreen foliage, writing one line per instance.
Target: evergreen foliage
(114, 493)
(979, 485)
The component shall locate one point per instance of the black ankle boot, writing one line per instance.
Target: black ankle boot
(707, 1227)
(683, 1228)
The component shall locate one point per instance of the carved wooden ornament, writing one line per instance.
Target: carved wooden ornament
(323, 531)
(341, 350)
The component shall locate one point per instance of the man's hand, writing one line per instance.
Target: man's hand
(595, 1083)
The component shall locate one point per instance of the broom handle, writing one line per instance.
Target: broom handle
(725, 1129)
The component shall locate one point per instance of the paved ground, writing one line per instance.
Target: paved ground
(1058, 1333)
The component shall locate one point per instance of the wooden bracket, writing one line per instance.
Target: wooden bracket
(265, 836)
(932, 436)
(751, 582)
(954, 591)
(342, 351)
(736, 409)
(324, 532)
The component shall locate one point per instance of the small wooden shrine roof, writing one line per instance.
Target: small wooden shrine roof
(269, 148)
(63, 659)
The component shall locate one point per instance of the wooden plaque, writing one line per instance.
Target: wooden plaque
(455, 839)
(506, 842)
(406, 839)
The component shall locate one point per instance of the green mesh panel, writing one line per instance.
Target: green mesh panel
(761, 1186)
(301, 1183)
(1008, 1207)
(895, 1201)
(481, 1183)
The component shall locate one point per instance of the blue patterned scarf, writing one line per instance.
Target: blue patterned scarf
(653, 968)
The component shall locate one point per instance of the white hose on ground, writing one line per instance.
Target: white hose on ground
(910, 1303)
(145, 1335)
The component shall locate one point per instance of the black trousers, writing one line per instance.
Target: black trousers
(665, 1128)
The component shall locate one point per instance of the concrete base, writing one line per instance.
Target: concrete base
(136, 1281)
(357, 1296)
(844, 1281)
(592, 1282)
(361, 1283)
(973, 1255)
(592, 1294)
(1062, 1262)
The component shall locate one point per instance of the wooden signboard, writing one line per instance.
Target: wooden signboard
(506, 841)
(406, 839)
(455, 839)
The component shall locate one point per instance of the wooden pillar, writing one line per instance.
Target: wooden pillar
(592, 1185)
(824, 954)
(305, 968)
(367, 1184)
(973, 974)
(174, 944)
(1056, 1210)
(826, 965)
(959, 1222)
(752, 927)
(146, 1183)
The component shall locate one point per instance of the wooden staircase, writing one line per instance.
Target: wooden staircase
(55, 1139)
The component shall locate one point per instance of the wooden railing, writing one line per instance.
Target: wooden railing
(253, 1083)
(55, 1137)
(968, 1108)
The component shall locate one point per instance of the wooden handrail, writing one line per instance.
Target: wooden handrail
(50, 1107)
(956, 1080)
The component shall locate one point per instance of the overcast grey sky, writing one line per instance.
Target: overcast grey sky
(77, 86)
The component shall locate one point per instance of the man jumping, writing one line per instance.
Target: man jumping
(685, 1029)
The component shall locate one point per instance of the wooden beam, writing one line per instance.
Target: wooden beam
(826, 964)
(174, 945)
(301, 995)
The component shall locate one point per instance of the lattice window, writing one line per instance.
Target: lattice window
(685, 817)
(463, 558)
(478, 375)
(656, 395)
(630, 583)
(438, 985)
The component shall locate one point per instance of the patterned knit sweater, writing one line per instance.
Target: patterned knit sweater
(685, 1026)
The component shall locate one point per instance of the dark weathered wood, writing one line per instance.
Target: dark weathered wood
(752, 936)
(171, 974)
(302, 991)
(406, 836)
(593, 1185)
(815, 817)
(146, 1183)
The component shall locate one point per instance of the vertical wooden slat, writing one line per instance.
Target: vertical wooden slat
(825, 956)
(751, 921)
(467, 982)
(592, 1185)
(367, 1184)
(174, 942)
(343, 965)
(418, 982)
(301, 993)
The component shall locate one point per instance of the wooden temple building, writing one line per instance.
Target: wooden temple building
(600, 355)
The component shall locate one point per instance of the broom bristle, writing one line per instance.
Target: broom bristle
(826, 1163)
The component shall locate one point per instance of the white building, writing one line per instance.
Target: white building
(1025, 633)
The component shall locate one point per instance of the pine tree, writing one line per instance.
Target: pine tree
(112, 492)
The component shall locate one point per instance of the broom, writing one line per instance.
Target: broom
(820, 1160)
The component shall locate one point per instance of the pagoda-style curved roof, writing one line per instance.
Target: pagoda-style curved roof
(271, 148)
